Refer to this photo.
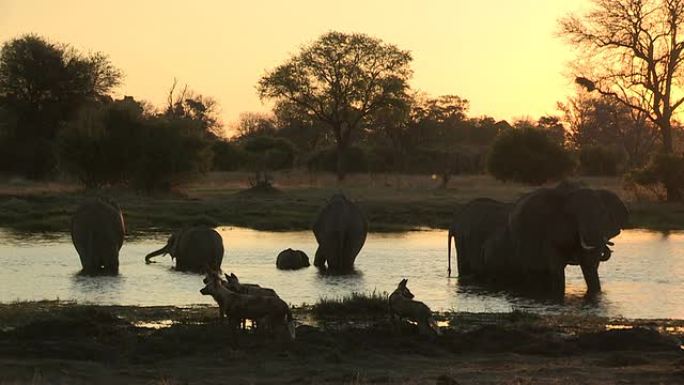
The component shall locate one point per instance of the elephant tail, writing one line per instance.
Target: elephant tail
(451, 234)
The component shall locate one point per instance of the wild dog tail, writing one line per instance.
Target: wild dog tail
(290, 324)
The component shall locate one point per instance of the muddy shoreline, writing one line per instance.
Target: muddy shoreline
(60, 342)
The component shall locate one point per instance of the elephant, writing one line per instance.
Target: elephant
(196, 249)
(340, 230)
(476, 222)
(531, 242)
(292, 260)
(97, 232)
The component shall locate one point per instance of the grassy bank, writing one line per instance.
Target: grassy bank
(58, 342)
(391, 203)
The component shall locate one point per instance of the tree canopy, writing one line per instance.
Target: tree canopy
(340, 80)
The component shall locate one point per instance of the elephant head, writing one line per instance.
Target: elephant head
(169, 248)
(569, 224)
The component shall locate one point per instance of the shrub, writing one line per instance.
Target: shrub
(228, 156)
(325, 159)
(528, 155)
(117, 143)
(171, 151)
(599, 161)
(268, 152)
(662, 170)
(99, 146)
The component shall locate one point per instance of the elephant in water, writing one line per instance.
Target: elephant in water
(340, 231)
(97, 231)
(196, 249)
(292, 260)
(531, 242)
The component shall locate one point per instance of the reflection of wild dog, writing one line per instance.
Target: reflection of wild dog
(402, 305)
(233, 283)
(272, 312)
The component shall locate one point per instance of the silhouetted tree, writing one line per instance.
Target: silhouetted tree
(340, 80)
(528, 155)
(633, 52)
(255, 124)
(44, 84)
(199, 110)
(599, 121)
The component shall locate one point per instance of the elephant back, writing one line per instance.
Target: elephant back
(198, 249)
(340, 230)
(473, 225)
(97, 232)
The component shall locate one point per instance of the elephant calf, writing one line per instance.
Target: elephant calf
(97, 231)
(197, 249)
(292, 260)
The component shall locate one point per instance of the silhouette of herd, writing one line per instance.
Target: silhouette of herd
(525, 244)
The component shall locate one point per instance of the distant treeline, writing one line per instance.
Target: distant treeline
(57, 117)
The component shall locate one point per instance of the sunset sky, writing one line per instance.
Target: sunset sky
(504, 56)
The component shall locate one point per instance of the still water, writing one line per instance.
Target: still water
(643, 279)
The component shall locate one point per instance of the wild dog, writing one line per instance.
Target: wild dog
(402, 305)
(233, 283)
(272, 312)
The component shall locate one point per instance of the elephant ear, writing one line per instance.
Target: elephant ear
(619, 214)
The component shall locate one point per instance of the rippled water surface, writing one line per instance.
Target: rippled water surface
(643, 279)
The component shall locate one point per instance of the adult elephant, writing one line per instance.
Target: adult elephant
(545, 231)
(97, 231)
(340, 231)
(292, 260)
(197, 249)
(476, 222)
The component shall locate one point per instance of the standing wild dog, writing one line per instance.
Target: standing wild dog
(272, 312)
(402, 305)
(233, 283)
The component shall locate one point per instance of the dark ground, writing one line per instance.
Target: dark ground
(64, 343)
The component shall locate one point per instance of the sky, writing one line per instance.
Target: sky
(504, 56)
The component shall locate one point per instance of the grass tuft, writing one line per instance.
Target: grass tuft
(364, 305)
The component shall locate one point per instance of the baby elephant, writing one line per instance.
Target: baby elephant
(292, 260)
(402, 305)
(270, 311)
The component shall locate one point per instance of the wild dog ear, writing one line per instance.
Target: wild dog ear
(233, 275)
(402, 283)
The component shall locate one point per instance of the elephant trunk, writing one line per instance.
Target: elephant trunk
(591, 277)
(161, 251)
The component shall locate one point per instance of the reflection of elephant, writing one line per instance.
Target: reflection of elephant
(340, 231)
(197, 249)
(97, 231)
(292, 260)
(533, 241)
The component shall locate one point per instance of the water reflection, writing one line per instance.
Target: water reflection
(642, 280)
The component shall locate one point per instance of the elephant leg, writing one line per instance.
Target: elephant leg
(591, 277)
(319, 259)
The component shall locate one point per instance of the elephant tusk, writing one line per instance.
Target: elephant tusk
(585, 246)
